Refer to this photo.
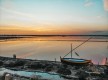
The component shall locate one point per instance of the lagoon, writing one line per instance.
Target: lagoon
(52, 47)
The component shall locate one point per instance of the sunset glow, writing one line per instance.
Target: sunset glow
(53, 16)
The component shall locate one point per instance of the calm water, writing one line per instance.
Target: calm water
(49, 48)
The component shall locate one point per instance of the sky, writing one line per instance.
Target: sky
(53, 16)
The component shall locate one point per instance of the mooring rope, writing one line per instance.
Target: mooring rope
(78, 46)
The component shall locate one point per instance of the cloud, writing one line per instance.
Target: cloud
(7, 3)
(99, 17)
(88, 3)
(106, 5)
(17, 13)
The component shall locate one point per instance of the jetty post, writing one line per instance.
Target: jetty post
(55, 60)
(14, 56)
(71, 50)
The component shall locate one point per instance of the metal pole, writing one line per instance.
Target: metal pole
(107, 45)
(71, 50)
(55, 59)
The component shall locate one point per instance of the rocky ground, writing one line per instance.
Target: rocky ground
(90, 72)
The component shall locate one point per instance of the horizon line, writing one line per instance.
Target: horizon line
(52, 35)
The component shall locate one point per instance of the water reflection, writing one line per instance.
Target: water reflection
(49, 48)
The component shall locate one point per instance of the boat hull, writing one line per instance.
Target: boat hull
(75, 61)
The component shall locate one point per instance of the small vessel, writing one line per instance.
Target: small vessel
(75, 61)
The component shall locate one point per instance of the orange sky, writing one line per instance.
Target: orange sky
(49, 29)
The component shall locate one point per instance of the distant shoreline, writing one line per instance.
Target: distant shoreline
(11, 37)
(52, 35)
